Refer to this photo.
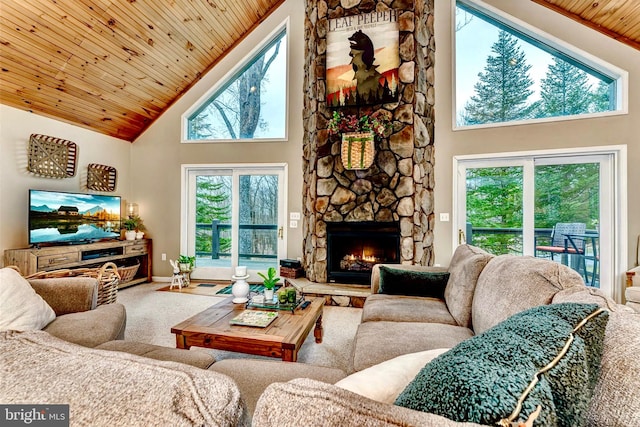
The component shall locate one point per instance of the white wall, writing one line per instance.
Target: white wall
(158, 154)
(15, 180)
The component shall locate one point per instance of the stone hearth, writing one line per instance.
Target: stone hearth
(398, 187)
(341, 294)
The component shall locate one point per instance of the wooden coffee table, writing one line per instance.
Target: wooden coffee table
(282, 338)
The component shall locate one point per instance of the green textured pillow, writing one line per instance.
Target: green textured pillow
(396, 281)
(481, 379)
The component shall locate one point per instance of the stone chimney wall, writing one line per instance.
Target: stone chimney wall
(399, 185)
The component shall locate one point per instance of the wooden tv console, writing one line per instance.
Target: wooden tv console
(33, 260)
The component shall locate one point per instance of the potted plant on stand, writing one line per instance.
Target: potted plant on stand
(269, 281)
(186, 264)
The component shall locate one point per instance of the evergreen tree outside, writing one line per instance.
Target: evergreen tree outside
(494, 200)
(571, 89)
(564, 91)
(601, 98)
(567, 193)
(213, 202)
(504, 87)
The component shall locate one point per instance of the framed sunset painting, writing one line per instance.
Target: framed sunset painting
(363, 59)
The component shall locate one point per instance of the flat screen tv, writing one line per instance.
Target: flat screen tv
(58, 218)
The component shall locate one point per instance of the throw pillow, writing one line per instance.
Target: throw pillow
(384, 382)
(547, 356)
(395, 281)
(21, 308)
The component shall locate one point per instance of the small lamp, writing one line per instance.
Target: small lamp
(132, 209)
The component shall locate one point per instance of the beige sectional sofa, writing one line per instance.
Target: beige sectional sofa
(482, 291)
(398, 334)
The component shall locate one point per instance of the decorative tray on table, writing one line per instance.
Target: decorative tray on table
(258, 318)
(275, 305)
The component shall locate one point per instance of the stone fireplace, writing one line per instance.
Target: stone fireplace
(353, 248)
(397, 190)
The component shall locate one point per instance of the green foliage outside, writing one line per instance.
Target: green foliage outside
(494, 200)
(213, 202)
(567, 193)
(563, 193)
(504, 88)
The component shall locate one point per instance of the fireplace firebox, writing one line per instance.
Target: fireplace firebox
(353, 248)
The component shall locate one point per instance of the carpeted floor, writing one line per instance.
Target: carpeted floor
(150, 316)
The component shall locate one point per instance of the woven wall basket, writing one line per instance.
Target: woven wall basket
(357, 150)
(52, 157)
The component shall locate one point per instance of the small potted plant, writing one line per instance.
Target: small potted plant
(132, 225)
(269, 281)
(186, 263)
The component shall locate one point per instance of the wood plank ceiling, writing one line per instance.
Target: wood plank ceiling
(619, 19)
(114, 66)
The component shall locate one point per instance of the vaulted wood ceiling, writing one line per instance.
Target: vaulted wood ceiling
(115, 65)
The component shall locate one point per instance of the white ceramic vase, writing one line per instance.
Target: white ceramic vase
(240, 289)
(130, 235)
(268, 295)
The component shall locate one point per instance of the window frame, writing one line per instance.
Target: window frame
(230, 77)
(549, 44)
(188, 173)
(616, 210)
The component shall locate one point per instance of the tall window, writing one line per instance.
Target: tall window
(506, 72)
(250, 103)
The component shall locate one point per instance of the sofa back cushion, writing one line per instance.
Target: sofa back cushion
(616, 400)
(466, 265)
(510, 284)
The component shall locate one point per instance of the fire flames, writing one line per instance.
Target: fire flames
(362, 262)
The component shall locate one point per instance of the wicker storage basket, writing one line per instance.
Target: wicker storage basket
(128, 273)
(107, 276)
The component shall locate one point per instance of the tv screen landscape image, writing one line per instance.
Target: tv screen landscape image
(65, 218)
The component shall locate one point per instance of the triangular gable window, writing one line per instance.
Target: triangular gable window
(508, 72)
(250, 103)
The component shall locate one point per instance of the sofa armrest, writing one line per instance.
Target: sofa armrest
(68, 294)
(306, 402)
(375, 272)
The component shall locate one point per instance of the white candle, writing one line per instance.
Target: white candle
(241, 271)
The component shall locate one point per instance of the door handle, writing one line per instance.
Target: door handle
(281, 233)
(462, 238)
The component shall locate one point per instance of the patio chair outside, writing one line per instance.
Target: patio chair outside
(560, 244)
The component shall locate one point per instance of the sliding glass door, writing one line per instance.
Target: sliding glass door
(234, 215)
(558, 207)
